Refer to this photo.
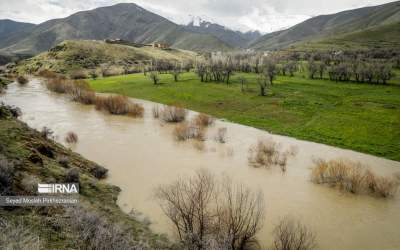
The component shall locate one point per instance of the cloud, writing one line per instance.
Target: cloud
(263, 15)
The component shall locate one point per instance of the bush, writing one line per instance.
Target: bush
(48, 74)
(72, 175)
(221, 135)
(173, 114)
(267, 153)
(99, 172)
(352, 177)
(46, 133)
(81, 92)
(58, 85)
(94, 232)
(292, 235)
(185, 131)
(29, 184)
(22, 80)
(18, 236)
(78, 74)
(71, 137)
(6, 176)
(119, 105)
(7, 111)
(203, 120)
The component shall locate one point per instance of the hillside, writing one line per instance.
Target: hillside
(127, 21)
(97, 55)
(325, 26)
(384, 36)
(233, 38)
(8, 27)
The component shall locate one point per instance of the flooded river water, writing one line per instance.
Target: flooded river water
(142, 154)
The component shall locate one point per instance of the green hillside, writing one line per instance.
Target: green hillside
(325, 26)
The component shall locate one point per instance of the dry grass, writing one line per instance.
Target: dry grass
(353, 177)
(22, 80)
(58, 85)
(47, 73)
(78, 74)
(172, 114)
(119, 105)
(185, 131)
(71, 138)
(81, 92)
(203, 120)
(267, 153)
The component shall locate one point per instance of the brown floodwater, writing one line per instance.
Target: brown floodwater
(142, 154)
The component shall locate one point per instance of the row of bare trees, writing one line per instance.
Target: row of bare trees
(209, 213)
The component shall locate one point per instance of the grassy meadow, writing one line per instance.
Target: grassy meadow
(361, 117)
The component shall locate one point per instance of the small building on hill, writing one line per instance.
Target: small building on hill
(161, 45)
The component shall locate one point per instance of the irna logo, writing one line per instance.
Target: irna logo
(66, 188)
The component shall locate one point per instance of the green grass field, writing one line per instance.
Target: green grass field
(361, 117)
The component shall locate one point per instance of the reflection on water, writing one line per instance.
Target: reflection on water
(141, 154)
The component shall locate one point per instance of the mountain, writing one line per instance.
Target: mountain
(126, 21)
(328, 26)
(233, 38)
(7, 27)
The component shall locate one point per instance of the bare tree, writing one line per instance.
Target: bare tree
(292, 235)
(187, 203)
(271, 70)
(206, 213)
(176, 71)
(240, 213)
(243, 82)
(154, 77)
(263, 82)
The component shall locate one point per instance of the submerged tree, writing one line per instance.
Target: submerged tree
(206, 213)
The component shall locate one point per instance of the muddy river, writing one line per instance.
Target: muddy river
(142, 154)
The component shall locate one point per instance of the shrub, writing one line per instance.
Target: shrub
(119, 105)
(47, 74)
(99, 172)
(78, 74)
(173, 114)
(6, 176)
(186, 131)
(203, 120)
(63, 161)
(29, 184)
(58, 85)
(46, 133)
(80, 92)
(96, 232)
(18, 236)
(72, 175)
(292, 235)
(221, 135)
(22, 80)
(7, 111)
(71, 137)
(352, 177)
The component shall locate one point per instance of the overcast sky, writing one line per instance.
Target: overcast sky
(244, 15)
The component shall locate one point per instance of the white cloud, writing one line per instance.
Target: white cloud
(263, 15)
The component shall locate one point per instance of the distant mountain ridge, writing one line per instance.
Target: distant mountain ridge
(325, 26)
(131, 22)
(126, 21)
(233, 38)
